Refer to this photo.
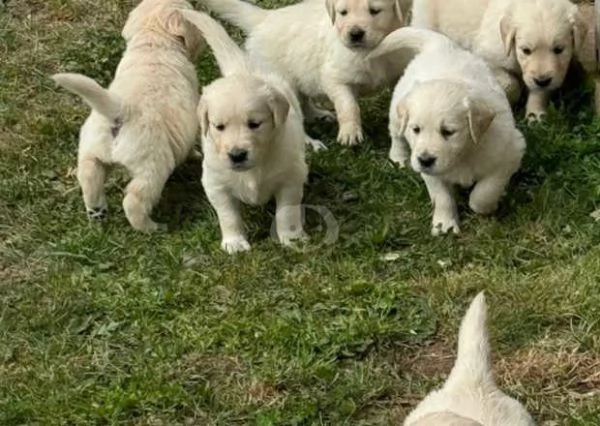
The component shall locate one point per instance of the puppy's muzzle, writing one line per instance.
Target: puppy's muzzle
(542, 82)
(356, 35)
(238, 156)
(426, 161)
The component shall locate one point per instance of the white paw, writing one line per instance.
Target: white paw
(483, 208)
(535, 116)
(316, 144)
(235, 244)
(442, 224)
(289, 238)
(350, 134)
(398, 158)
(320, 114)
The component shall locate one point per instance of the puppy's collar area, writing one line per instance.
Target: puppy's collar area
(115, 127)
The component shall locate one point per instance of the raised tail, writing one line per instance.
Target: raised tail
(472, 367)
(101, 100)
(240, 13)
(230, 57)
(411, 39)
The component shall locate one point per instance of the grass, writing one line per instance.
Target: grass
(102, 325)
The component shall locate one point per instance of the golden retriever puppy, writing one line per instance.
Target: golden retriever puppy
(146, 120)
(470, 396)
(528, 40)
(320, 46)
(457, 122)
(253, 141)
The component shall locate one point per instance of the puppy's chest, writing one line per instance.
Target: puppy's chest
(463, 176)
(252, 189)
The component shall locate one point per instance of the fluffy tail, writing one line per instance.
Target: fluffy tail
(230, 57)
(409, 38)
(242, 14)
(472, 367)
(97, 97)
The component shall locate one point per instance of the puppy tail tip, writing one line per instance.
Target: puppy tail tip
(473, 359)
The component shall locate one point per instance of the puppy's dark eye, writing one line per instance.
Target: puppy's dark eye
(253, 125)
(416, 130)
(374, 11)
(446, 133)
(526, 51)
(343, 12)
(220, 127)
(558, 50)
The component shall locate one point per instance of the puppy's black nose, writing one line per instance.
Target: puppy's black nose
(427, 160)
(238, 156)
(357, 35)
(543, 82)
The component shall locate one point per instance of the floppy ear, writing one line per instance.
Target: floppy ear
(202, 112)
(480, 117)
(580, 28)
(331, 9)
(508, 33)
(176, 25)
(402, 113)
(280, 107)
(398, 9)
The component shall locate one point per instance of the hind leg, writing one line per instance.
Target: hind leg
(142, 194)
(312, 112)
(90, 174)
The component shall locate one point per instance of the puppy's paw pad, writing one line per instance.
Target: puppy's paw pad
(97, 213)
(235, 245)
(444, 227)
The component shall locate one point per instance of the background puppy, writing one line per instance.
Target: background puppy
(320, 45)
(457, 121)
(470, 396)
(253, 141)
(146, 120)
(528, 40)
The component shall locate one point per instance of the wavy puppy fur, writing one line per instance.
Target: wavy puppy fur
(320, 46)
(145, 121)
(253, 141)
(470, 396)
(524, 41)
(457, 122)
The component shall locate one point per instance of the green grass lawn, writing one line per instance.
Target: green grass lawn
(103, 325)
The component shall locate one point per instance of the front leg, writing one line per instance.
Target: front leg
(537, 102)
(486, 194)
(288, 216)
(230, 221)
(347, 111)
(445, 214)
(509, 83)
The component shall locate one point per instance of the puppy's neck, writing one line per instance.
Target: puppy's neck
(152, 40)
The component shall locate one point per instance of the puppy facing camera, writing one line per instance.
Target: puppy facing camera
(253, 141)
(457, 121)
(470, 396)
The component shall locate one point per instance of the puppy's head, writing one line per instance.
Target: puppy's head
(160, 18)
(240, 117)
(544, 36)
(441, 122)
(362, 24)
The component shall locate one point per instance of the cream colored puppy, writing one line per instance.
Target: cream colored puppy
(320, 45)
(146, 120)
(457, 121)
(253, 140)
(528, 40)
(470, 396)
